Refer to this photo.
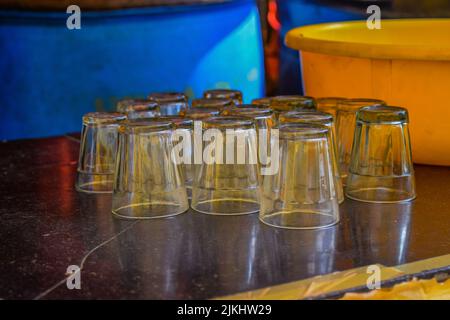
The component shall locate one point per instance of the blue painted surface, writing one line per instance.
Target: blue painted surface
(297, 13)
(50, 76)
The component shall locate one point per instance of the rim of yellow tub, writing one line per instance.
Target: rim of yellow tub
(407, 39)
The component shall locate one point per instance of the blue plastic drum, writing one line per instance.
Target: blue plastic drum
(50, 75)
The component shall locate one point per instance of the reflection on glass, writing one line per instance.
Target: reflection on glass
(170, 103)
(234, 95)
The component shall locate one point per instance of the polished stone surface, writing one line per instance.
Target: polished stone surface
(45, 226)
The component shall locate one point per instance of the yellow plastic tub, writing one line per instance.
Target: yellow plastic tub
(405, 63)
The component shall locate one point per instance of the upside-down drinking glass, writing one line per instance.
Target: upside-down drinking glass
(381, 168)
(345, 129)
(98, 149)
(147, 180)
(301, 195)
(325, 119)
(226, 182)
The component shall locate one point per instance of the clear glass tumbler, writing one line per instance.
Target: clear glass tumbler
(234, 95)
(301, 195)
(147, 180)
(170, 103)
(325, 119)
(381, 168)
(345, 129)
(98, 149)
(226, 182)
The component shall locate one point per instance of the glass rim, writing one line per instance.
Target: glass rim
(212, 102)
(292, 102)
(199, 112)
(256, 113)
(322, 99)
(177, 120)
(383, 114)
(139, 104)
(264, 101)
(291, 98)
(228, 122)
(335, 221)
(330, 102)
(223, 91)
(197, 204)
(117, 211)
(410, 196)
(357, 103)
(295, 129)
(251, 105)
(319, 117)
(103, 118)
(144, 125)
(165, 97)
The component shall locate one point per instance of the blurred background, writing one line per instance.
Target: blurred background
(50, 75)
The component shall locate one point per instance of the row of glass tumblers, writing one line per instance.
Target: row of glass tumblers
(303, 193)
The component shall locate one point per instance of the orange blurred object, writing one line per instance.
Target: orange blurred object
(405, 63)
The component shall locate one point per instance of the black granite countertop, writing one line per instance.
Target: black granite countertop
(45, 226)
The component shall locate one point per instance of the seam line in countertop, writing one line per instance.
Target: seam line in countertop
(56, 285)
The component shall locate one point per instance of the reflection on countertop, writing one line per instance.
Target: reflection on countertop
(47, 226)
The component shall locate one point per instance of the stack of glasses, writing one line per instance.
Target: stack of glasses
(286, 157)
